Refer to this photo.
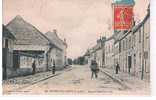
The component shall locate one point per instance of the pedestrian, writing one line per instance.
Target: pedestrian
(34, 67)
(117, 68)
(54, 66)
(94, 69)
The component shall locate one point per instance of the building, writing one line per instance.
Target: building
(117, 47)
(86, 56)
(141, 46)
(97, 52)
(129, 47)
(30, 45)
(109, 52)
(58, 54)
(132, 49)
(125, 51)
(92, 55)
(7, 45)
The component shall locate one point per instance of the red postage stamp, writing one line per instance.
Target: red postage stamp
(123, 17)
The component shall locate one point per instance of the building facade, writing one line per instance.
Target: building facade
(57, 54)
(132, 49)
(30, 45)
(7, 50)
(109, 52)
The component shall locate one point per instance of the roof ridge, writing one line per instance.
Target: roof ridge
(56, 36)
(15, 18)
(28, 25)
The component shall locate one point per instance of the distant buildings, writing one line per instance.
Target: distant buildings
(30, 45)
(97, 52)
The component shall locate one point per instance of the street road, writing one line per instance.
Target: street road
(76, 81)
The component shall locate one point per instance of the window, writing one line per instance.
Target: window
(140, 35)
(126, 43)
(134, 60)
(119, 46)
(129, 42)
(123, 45)
(134, 40)
(6, 43)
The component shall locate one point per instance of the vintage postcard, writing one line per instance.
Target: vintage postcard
(76, 47)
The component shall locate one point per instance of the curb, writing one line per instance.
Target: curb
(35, 82)
(115, 79)
(43, 79)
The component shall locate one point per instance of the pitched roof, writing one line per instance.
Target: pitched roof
(7, 33)
(137, 27)
(110, 38)
(53, 37)
(25, 33)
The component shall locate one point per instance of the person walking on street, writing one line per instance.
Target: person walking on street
(34, 67)
(117, 68)
(54, 66)
(94, 69)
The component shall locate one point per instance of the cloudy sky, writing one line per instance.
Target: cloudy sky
(81, 22)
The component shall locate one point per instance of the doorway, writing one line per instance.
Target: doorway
(129, 63)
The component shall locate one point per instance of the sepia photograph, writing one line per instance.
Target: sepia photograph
(76, 47)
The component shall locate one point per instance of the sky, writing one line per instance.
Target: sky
(81, 22)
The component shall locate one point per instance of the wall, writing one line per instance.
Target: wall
(58, 56)
(109, 52)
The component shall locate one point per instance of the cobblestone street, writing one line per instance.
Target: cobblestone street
(74, 80)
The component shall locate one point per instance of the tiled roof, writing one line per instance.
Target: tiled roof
(53, 37)
(140, 24)
(25, 33)
(110, 38)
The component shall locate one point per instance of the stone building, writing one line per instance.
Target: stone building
(58, 54)
(109, 52)
(141, 47)
(92, 54)
(125, 51)
(117, 47)
(7, 51)
(97, 52)
(132, 49)
(86, 56)
(30, 45)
